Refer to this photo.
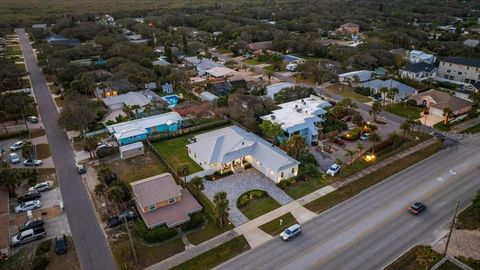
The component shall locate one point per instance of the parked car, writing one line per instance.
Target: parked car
(26, 206)
(364, 136)
(61, 244)
(29, 196)
(33, 223)
(80, 168)
(333, 169)
(117, 220)
(14, 158)
(291, 232)
(32, 119)
(32, 162)
(17, 145)
(417, 208)
(338, 140)
(43, 186)
(129, 215)
(27, 236)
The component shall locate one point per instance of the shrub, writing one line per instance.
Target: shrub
(196, 220)
(365, 91)
(472, 114)
(412, 102)
(243, 200)
(308, 159)
(40, 263)
(154, 235)
(258, 193)
(352, 134)
(287, 182)
(309, 171)
(43, 248)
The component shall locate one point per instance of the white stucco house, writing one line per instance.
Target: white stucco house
(231, 147)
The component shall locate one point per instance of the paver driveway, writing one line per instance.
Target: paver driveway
(237, 184)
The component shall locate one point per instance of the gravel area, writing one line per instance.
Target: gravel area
(462, 243)
(237, 184)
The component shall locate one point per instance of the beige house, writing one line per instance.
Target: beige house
(161, 201)
(437, 100)
(460, 69)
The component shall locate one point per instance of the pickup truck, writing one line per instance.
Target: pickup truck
(28, 236)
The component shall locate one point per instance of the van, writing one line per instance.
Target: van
(291, 232)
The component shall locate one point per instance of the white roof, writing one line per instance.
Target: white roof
(208, 96)
(277, 87)
(130, 98)
(131, 146)
(220, 71)
(129, 132)
(363, 75)
(230, 143)
(298, 114)
(140, 125)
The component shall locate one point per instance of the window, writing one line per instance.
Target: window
(459, 73)
(151, 207)
(171, 200)
(448, 70)
(293, 170)
(281, 175)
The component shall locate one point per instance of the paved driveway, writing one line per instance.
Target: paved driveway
(237, 184)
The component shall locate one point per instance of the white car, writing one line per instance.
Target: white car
(334, 169)
(43, 186)
(32, 162)
(291, 232)
(14, 158)
(16, 146)
(364, 136)
(26, 206)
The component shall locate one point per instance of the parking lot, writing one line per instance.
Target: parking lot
(40, 143)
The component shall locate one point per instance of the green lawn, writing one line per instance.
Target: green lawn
(270, 68)
(342, 194)
(259, 206)
(474, 129)
(138, 167)
(441, 126)
(274, 228)
(21, 66)
(404, 110)
(346, 91)
(252, 61)
(175, 152)
(469, 219)
(419, 257)
(303, 188)
(217, 255)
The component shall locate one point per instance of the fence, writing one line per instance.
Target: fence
(187, 131)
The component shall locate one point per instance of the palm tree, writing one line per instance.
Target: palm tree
(447, 111)
(330, 139)
(197, 185)
(252, 70)
(374, 138)
(351, 153)
(127, 110)
(106, 175)
(269, 74)
(221, 208)
(298, 78)
(90, 145)
(394, 138)
(357, 119)
(28, 150)
(183, 171)
(9, 178)
(3, 119)
(394, 92)
(103, 86)
(356, 80)
(405, 126)
(383, 91)
(135, 108)
(116, 194)
(375, 110)
(360, 148)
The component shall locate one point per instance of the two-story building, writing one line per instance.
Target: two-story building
(300, 117)
(231, 147)
(419, 71)
(139, 129)
(161, 201)
(415, 56)
(460, 69)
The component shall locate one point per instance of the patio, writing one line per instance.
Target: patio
(237, 184)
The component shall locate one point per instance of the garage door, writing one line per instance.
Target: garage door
(436, 111)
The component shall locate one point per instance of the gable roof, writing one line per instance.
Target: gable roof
(155, 189)
(263, 45)
(363, 75)
(377, 84)
(419, 67)
(465, 61)
(443, 100)
(471, 43)
(130, 98)
(144, 123)
(230, 143)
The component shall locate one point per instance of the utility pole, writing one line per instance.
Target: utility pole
(451, 228)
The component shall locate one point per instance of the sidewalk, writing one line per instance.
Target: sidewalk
(256, 237)
(467, 124)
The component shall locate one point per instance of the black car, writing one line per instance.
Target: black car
(117, 220)
(34, 223)
(29, 196)
(417, 208)
(61, 244)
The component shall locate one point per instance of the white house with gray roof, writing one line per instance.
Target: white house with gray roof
(231, 147)
(300, 117)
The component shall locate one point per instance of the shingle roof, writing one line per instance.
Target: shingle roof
(264, 45)
(155, 189)
(472, 62)
(419, 67)
(443, 100)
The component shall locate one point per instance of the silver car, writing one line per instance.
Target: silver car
(17, 145)
(291, 232)
(27, 236)
(26, 206)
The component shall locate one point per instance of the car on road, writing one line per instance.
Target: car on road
(32, 162)
(27, 236)
(26, 206)
(364, 136)
(80, 168)
(61, 244)
(43, 186)
(33, 223)
(291, 232)
(32, 119)
(29, 196)
(333, 169)
(417, 208)
(115, 221)
(17, 145)
(14, 158)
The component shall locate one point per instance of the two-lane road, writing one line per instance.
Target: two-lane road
(90, 242)
(373, 228)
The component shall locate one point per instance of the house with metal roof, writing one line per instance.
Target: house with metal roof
(404, 91)
(232, 147)
(415, 56)
(273, 89)
(140, 98)
(288, 59)
(419, 71)
(161, 201)
(348, 77)
(139, 129)
(300, 117)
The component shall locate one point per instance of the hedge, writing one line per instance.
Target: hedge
(154, 235)
(196, 220)
(245, 198)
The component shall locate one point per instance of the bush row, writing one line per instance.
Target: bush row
(245, 198)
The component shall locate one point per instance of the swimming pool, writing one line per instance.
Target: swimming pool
(172, 100)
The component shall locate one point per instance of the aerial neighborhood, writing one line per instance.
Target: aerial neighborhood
(140, 135)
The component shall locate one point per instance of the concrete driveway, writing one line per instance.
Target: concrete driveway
(237, 184)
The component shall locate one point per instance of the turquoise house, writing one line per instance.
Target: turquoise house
(140, 129)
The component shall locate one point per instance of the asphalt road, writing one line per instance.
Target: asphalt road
(373, 228)
(90, 241)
